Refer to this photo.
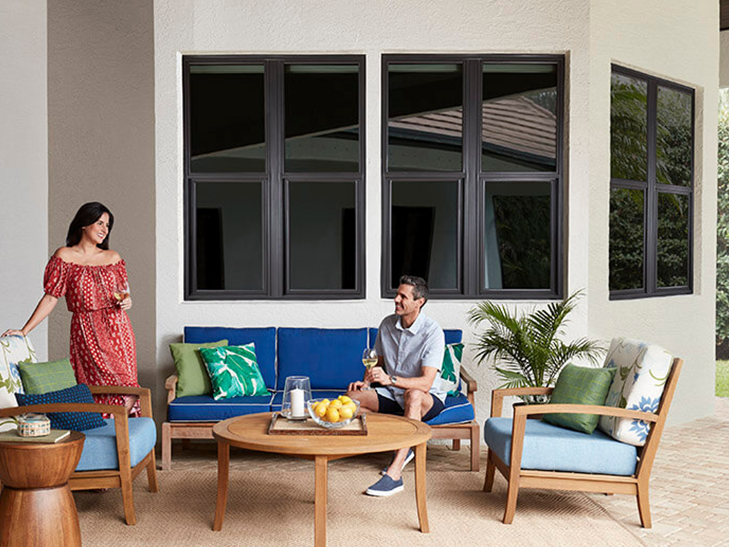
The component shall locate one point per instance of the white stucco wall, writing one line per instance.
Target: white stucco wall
(377, 26)
(23, 163)
(724, 59)
(679, 41)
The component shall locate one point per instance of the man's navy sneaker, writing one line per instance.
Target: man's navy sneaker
(386, 486)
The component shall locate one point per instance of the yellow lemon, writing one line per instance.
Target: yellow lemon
(345, 413)
(336, 403)
(321, 409)
(324, 402)
(344, 399)
(350, 405)
(332, 415)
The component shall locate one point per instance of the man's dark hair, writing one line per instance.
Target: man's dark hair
(419, 285)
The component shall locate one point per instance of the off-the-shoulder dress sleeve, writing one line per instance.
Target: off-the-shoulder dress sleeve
(55, 277)
(122, 271)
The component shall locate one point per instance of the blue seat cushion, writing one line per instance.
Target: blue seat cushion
(315, 394)
(203, 408)
(549, 447)
(100, 444)
(458, 410)
(331, 358)
(264, 338)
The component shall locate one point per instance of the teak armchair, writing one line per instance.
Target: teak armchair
(635, 484)
(124, 474)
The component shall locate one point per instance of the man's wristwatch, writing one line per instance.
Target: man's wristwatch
(393, 379)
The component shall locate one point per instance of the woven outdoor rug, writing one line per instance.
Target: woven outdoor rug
(270, 508)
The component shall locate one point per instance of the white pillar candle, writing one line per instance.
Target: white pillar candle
(297, 403)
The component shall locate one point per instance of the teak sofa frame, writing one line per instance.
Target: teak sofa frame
(108, 478)
(636, 485)
(204, 430)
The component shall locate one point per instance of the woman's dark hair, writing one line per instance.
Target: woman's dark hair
(85, 216)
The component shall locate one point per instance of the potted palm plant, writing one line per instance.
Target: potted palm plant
(526, 348)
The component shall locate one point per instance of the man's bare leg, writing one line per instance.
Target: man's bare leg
(368, 401)
(417, 405)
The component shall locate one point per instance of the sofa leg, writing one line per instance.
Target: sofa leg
(490, 470)
(166, 446)
(128, 499)
(644, 509)
(456, 444)
(511, 495)
(475, 447)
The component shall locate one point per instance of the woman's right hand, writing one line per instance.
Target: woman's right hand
(13, 332)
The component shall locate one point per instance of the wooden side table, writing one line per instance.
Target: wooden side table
(36, 504)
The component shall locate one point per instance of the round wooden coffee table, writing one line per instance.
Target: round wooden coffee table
(384, 433)
(36, 504)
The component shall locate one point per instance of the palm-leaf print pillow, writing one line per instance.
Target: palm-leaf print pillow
(234, 371)
(450, 373)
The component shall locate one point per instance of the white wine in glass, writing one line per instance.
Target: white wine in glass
(369, 359)
(121, 291)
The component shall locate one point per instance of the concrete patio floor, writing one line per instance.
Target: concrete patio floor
(689, 483)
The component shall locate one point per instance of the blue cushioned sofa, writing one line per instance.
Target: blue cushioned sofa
(331, 358)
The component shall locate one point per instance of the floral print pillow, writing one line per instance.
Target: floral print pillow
(641, 373)
(13, 350)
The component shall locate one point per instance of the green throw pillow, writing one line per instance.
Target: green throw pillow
(234, 371)
(192, 375)
(580, 386)
(40, 378)
(451, 370)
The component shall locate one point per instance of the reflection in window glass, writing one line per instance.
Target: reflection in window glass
(321, 118)
(425, 232)
(517, 228)
(322, 235)
(674, 153)
(519, 131)
(628, 128)
(425, 117)
(227, 119)
(673, 240)
(229, 235)
(626, 239)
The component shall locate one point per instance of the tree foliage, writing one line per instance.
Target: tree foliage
(722, 236)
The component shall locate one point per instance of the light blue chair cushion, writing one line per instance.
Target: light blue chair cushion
(263, 337)
(549, 447)
(331, 358)
(100, 444)
(203, 408)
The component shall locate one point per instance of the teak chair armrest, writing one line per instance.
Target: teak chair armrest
(497, 396)
(521, 410)
(171, 387)
(470, 381)
(144, 394)
(116, 410)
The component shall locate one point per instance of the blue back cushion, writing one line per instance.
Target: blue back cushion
(264, 338)
(75, 421)
(452, 336)
(331, 358)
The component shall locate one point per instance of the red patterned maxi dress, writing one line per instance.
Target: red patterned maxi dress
(103, 349)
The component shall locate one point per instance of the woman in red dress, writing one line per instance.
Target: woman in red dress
(93, 279)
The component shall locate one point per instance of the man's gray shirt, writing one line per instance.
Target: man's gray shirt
(406, 351)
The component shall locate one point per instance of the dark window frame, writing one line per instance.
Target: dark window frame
(652, 188)
(275, 180)
(471, 265)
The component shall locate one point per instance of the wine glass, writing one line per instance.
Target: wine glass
(121, 291)
(369, 359)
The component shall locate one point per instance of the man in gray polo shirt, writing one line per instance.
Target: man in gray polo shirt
(410, 347)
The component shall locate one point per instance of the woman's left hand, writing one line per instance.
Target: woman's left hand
(126, 303)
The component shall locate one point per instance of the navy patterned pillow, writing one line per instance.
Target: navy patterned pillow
(75, 421)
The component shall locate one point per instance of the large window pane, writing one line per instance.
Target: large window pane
(227, 119)
(425, 117)
(626, 239)
(425, 232)
(674, 151)
(517, 235)
(628, 128)
(673, 240)
(229, 236)
(322, 235)
(321, 118)
(519, 131)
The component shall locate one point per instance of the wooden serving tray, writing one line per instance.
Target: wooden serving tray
(281, 426)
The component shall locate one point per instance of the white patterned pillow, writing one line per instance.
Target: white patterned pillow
(13, 350)
(642, 371)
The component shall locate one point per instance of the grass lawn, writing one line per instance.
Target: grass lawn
(722, 378)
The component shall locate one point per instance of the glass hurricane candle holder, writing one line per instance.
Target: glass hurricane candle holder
(297, 393)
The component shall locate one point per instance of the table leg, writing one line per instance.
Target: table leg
(223, 469)
(420, 487)
(320, 501)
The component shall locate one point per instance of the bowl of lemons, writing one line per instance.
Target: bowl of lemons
(333, 413)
